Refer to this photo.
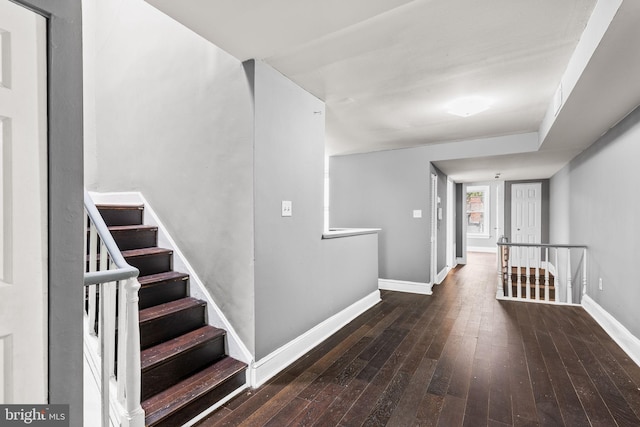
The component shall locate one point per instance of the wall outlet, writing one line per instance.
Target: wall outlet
(600, 284)
(287, 209)
(417, 213)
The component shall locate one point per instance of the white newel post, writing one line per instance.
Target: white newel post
(509, 272)
(584, 272)
(500, 257)
(556, 282)
(538, 255)
(546, 275)
(569, 285)
(134, 416)
(519, 274)
(528, 274)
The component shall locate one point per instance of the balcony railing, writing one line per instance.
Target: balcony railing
(111, 303)
(541, 272)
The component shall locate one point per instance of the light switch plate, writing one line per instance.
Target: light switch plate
(417, 213)
(287, 208)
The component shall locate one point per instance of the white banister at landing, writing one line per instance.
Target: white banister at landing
(541, 272)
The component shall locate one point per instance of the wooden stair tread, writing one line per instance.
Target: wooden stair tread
(162, 277)
(168, 350)
(120, 206)
(157, 311)
(145, 252)
(190, 389)
(532, 271)
(532, 285)
(117, 228)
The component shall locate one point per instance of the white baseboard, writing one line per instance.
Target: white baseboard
(236, 348)
(490, 250)
(442, 275)
(621, 335)
(265, 368)
(202, 415)
(403, 286)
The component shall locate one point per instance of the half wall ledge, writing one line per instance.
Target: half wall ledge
(335, 233)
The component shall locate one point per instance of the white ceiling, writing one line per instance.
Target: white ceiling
(387, 68)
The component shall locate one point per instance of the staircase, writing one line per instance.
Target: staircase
(530, 276)
(185, 369)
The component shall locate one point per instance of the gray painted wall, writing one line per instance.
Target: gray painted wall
(66, 212)
(441, 224)
(489, 242)
(300, 280)
(381, 190)
(545, 208)
(560, 207)
(174, 120)
(603, 214)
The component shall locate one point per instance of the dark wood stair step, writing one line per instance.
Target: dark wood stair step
(121, 214)
(149, 260)
(163, 287)
(134, 236)
(532, 280)
(191, 396)
(169, 320)
(532, 270)
(532, 286)
(168, 363)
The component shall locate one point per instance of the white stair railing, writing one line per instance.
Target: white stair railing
(110, 281)
(539, 263)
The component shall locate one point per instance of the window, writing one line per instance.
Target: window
(478, 204)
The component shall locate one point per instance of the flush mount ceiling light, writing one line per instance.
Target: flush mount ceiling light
(468, 106)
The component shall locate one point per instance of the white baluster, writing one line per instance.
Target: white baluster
(538, 254)
(93, 253)
(122, 344)
(569, 284)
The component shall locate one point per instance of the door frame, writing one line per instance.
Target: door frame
(451, 218)
(66, 211)
(545, 207)
(513, 188)
(434, 229)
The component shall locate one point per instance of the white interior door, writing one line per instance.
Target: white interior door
(23, 206)
(526, 217)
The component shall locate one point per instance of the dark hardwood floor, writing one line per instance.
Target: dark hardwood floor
(456, 358)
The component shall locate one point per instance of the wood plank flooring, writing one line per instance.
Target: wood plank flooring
(456, 358)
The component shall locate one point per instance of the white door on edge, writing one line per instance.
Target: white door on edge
(23, 206)
(526, 219)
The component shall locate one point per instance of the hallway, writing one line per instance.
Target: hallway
(458, 357)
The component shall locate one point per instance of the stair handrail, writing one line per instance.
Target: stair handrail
(123, 270)
(506, 265)
(112, 269)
